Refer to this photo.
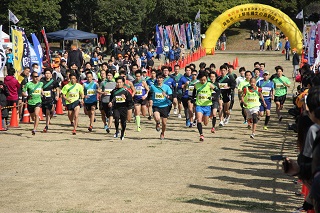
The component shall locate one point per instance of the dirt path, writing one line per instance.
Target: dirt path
(93, 172)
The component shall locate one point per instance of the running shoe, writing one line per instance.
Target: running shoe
(116, 135)
(161, 136)
(249, 126)
(280, 118)
(90, 128)
(175, 111)
(108, 130)
(158, 127)
(188, 122)
(122, 138)
(213, 130)
(265, 128)
(106, 126)
(245, 122)
(252, 136)
(94, 120)
(74, 132)
(194, 123)
(45, 129)
(71, 124)
(191, 125)
(139, 129)
(179, 116)
(226, 120)
(221, 124)
(149, 118)
(201, 138)
(33, 132)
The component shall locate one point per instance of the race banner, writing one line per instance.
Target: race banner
(33, 56)
(17, 49)
(311, 56)
(167, 45)
(188, 36)
(192, 38)
(168, 29)
(317, 49)
(183, 35)
(3, 57)
(162, 35)
(26, 62)
(158, 38)
(173, 35)
(48, 58)
(38, 51)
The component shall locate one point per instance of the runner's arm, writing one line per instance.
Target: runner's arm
(132, 88)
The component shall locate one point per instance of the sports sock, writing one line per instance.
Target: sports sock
(138, 121)
(267, 120)
(214, 120)
(199, 126)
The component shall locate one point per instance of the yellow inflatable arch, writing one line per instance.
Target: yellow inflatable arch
(252, 11)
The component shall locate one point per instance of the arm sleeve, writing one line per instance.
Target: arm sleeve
(232, 84)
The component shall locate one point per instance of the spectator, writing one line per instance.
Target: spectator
(287, 49)
(9, 63)
(13, 87)
(277, 41)
(295, 62)
(102, 41)
(4, 93)
(223, 41)
(75, 57)
(144, 60)
(150, 63)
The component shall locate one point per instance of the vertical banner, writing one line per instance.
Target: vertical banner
(169, 34)
(48, 58)
(317, 49)
(158, 41)
(173, 35)
(183, 35)
(311, 56)
(33, 55)
(167, 45)
(188, 36)
(17, 49)
(26, 61)
(177, 31)
(3, 57)
(191, 37)
(38, 51)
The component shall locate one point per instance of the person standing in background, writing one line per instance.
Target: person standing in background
(287, 48)
(102, 41)
(295, 62)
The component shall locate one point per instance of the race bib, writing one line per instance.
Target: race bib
(202, 96)
(91, 92)
(190, 90)
(72, 95)
(279, 85)
(159, 96)
(222, 85)
(108, 91)
(47, 94)
(138, 90)
(266, 91)
(252, 98)
(177, 84)
(37, 92)
(120, 99)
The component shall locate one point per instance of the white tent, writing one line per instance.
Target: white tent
(5, 38)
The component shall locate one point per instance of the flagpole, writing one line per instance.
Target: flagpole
(9, 26)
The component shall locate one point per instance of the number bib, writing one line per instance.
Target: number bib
(108, 91)
(72, 95)
(159, 96)
(252, 98)
(190, 90)
(202, 96)
(279, 85)
(91, 92)
(47, 94)
(37, 92)
(222, 85)
(266, 91)
(120, 99)
(138, 90)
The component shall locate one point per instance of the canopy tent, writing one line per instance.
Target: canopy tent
(71, 34)
(4, 37)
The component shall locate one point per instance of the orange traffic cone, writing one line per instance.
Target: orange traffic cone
(1, 127)
(41, 115)
(59, 110)
(212, 51)
(237, 62)
(234, 64)
(26, 115)
(14, 117)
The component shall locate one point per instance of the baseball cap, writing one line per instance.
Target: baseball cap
(266, 72)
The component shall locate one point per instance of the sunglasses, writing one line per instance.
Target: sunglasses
(35, 76)
(194, 74)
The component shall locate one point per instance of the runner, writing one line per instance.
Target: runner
(105, 88)
(233, 76)
(33, 90)
(140, 98)
(51, 92)
(188, 88)
(243, 84)
(177, 96)
(161, 97)
(120, 100)
(216, 102)
(90, 88)
(281, 84)
(171, 83)
(73, 94)
(128, 86)
(151, 81)
(183, 89)
(226, 85)
(202, 96)
(267, 87)
(250, 99)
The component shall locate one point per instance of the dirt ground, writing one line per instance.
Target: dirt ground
(93, 172)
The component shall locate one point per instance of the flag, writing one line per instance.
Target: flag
(26, 61)
(48, 58)
(3, 57)
(158, 38)
(183, 35)
(177, 31)
(33, 56)
(198, 15)
(13, 18)
(17, 49)
(38, 50)
(300, 15)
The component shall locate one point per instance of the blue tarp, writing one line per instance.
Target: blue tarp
(70, 34)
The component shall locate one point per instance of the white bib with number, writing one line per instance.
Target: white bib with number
(222, 85)
(138, 90)
(190, 90)
(91, 92)
(108, 91)
(159, 96)
(279, 85)
(266, 91)
(120, 99)
(202, 96)
(37, 91)
(47, 94)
